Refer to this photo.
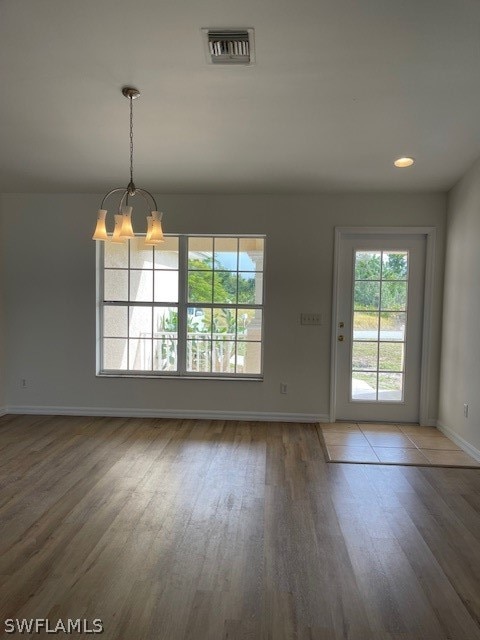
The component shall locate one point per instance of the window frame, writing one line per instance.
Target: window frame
(378, 371)
(182, 305)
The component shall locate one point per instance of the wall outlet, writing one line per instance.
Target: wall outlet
(311, 318)
(23, 383)
(283, 387)
(465, 410)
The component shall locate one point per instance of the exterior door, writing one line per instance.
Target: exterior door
(380, 300)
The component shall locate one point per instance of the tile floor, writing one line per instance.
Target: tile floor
(392, 444)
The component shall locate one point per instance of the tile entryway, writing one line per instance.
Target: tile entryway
(392, 444)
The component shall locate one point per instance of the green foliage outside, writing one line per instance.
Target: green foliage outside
(368, 266)
(203, 285)
(379, 286)
(224, 284)
(225, 290)
(365, 356)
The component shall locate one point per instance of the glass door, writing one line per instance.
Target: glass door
(380, 311)
(380, 305)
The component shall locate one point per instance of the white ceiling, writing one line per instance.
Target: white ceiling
(340, 88)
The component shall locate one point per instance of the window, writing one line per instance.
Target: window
(192, 306)
(379, 319)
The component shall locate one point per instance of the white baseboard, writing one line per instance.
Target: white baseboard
(466, 446)
(3, 411)
(168, 413)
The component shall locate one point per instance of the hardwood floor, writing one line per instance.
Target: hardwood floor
(176, 529)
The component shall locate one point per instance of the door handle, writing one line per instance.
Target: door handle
(340, 338)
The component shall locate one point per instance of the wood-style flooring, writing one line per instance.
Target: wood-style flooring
(199, 530)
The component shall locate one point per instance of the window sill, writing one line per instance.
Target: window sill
(173, 376)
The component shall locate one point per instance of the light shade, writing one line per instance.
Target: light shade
(403, 163)
(126, 230)
(154, 230)
(101, 229)
(118, 228)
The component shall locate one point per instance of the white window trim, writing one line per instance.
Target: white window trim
(427, 334)
(182, 305)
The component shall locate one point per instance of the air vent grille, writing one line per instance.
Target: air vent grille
(229, 46)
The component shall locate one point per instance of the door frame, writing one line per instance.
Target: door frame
(430, 242)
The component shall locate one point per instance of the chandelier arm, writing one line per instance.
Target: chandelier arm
(122, 200)
(106, 196)
(145, 193)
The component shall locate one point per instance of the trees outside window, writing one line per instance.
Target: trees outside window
(191, 306)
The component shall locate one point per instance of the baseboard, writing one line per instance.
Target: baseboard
(3, 411)
(168, 413)
(466, 446)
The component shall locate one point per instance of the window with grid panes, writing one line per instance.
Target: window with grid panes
(192, 306)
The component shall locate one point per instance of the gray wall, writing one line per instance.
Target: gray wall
(460, 368)
(50, 298)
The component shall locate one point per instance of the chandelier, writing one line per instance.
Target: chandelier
(123, 230)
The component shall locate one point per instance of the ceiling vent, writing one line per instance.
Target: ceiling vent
(229, 46)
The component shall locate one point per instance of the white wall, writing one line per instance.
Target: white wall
(50, 296)
(460, 364)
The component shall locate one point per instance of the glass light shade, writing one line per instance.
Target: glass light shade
(154, 230)
(403, 163)
(118, 228)
(126, 230)
(149, 230)
(100, 229)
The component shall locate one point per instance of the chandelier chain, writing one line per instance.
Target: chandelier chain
(100, 234)
(131, 139)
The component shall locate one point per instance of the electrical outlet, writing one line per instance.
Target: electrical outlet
(311, 318)
(465, 410)
(283, 387)
(23, 383)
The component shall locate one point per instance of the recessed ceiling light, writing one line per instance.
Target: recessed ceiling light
(402, 163)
